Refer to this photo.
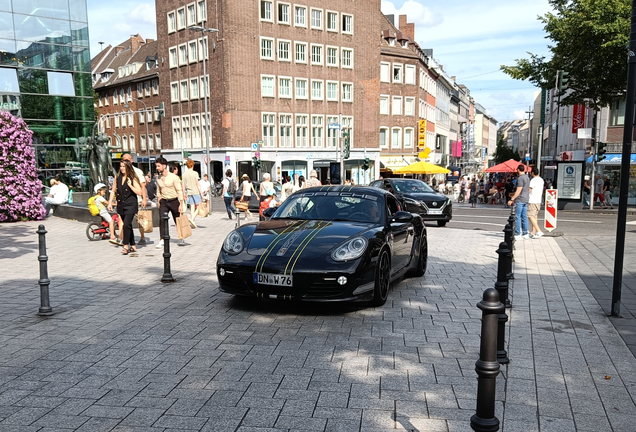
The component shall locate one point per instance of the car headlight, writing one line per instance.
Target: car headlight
(411, 201)
(234, 243)
(350, 249)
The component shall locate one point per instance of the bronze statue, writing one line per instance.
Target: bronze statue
(99, 158)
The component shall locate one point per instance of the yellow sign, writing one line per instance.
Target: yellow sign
(424, 154)
(421, 138)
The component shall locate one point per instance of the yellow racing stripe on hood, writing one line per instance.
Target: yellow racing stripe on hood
(301, 247)
(268, 250)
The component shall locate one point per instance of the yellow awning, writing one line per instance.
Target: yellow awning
(422, 167)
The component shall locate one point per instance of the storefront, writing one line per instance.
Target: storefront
(611, 167)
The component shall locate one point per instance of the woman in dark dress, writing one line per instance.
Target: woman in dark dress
(473, 193)
(127, 188)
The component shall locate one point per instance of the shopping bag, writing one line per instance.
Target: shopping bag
(183, 227)
(241, 205)
(204, 209)
(144, 220)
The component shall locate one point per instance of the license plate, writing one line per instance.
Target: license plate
(434, 211)
(273, 279)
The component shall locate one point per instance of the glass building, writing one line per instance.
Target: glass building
(45, 78)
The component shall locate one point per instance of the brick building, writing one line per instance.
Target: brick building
(278, 72)
(126, 80)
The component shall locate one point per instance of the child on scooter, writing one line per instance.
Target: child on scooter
(102, 205)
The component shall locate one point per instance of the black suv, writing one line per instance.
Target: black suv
(415, 196)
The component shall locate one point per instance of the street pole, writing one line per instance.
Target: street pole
(624, 180)
(593, 176)
(147, 136)
(342, 172)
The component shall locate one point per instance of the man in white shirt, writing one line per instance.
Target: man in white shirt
(534, 202)
(205, 187)
(58, 194)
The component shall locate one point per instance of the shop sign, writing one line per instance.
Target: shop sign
(421, 137)
(10, 106)
(578, 117)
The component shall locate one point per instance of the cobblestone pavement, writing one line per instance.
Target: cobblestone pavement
(124, 352)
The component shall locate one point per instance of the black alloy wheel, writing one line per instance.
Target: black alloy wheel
(422, 260)
(382, 279)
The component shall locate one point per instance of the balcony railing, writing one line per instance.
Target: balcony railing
(618, 148)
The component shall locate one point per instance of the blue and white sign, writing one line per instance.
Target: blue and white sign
(254, 146)
(333, 126)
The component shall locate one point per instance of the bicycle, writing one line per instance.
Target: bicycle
(99, 231)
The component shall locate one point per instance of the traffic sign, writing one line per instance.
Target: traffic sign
(206, 159)
(257, 154)
(260, 143)
(551, 199)
(254, 146)
(333, 126)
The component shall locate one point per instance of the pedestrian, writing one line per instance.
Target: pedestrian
(472, 191)
(102, 205)
(607, 192)
(192, 191)
(248, 188)
(204, 185)
(151, 191)
(126, 188)
(268, 202)
(229, 189)
(142, 199)
(288, 189)
(534, 202)
(169, 195)
(520, 199)
(586, 191)
(313, 179)
(265, 185)
(302, 184)
(599, 185)
(58, 194)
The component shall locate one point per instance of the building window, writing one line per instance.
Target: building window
(283, 13)
(172, 22)
(181, 19)
(185, 90)
(332, 56)
(384, 132)
(385, 72)
(347, 24)
(183, 54)
(149, 115)
(316, 90)
(121, 96)
(384, 104)
(194, 88)
(397, 105)
(284, 87)
(266, 48)
(409, 75)
(142, 142)
(155, 113)
(124, 143)
(347, 126)
(285, 130)
(269, 130)
(283, 50)
(332, 21)
(142, 116)
(185, 131)
(147, 88)
(347, 92)
(155, 87)
(266, 11)
(397, 72)
(140, 90)
(396, 138)
(196, 131)
(158, 141)
(301, 52)
(203, 48)
(203, 13)
(408, 138)
(332, 134)
(409, 106)
(317, 129)
(301, 131)
(116, 120)
(347, 58)
(267, 86)
(205, 88)
(316, 19)
(316, 54)
(131, 119)
(192, 51)
(332, 90)
(173, 59)
(301, 88)
(150, 142)
(192, 14)
(300, 16)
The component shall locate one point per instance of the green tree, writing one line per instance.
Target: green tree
(590, 42)
(504, 153)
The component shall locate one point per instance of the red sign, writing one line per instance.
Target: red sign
(578, 118)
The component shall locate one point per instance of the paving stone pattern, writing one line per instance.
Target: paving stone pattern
(124, 352)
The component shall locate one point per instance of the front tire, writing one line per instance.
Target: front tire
(382, 280)
(91, 234)
(441, 223)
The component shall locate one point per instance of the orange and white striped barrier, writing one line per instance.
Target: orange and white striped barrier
(551, 197)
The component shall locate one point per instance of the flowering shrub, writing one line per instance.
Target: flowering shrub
(20, 188)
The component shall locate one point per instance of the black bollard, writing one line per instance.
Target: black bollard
(45, 304)
(167, 274)
(487, 367)
(503, 270)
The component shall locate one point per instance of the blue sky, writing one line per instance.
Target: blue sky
(470, 38)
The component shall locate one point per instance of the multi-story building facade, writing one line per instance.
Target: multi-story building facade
(407, 96)
(126, 81)
(279, 73)
(485, 136)
(45, 79)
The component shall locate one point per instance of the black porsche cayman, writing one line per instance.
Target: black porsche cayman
(329, 243)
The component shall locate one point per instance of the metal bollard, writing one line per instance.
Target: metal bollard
(503, 269)
(487, 367)
(167, 274)
(45, 304)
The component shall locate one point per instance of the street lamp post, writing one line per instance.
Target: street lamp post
(203, 31)
(147, 137)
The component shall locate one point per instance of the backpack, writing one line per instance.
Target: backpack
(92, 205)
(231, 188)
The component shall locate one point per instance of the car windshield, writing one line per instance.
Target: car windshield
(336, 206)
(410, 186)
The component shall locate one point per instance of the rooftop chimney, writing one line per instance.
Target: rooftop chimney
(135, 42)
(407, 28)
(391, 19)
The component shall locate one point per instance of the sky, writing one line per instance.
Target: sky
(471, 39)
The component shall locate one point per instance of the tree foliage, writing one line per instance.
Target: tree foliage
(590, 42)
(504, 153)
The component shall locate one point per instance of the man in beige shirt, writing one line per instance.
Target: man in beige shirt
(169, 195)
(192, 191)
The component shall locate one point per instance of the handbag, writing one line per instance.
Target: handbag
(183, 227)
(204, 209)
(144, 220)
(241, 205)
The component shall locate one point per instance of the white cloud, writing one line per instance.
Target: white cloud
(417, 13)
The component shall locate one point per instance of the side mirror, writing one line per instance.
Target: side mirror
(402, 217)
(269, 212)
